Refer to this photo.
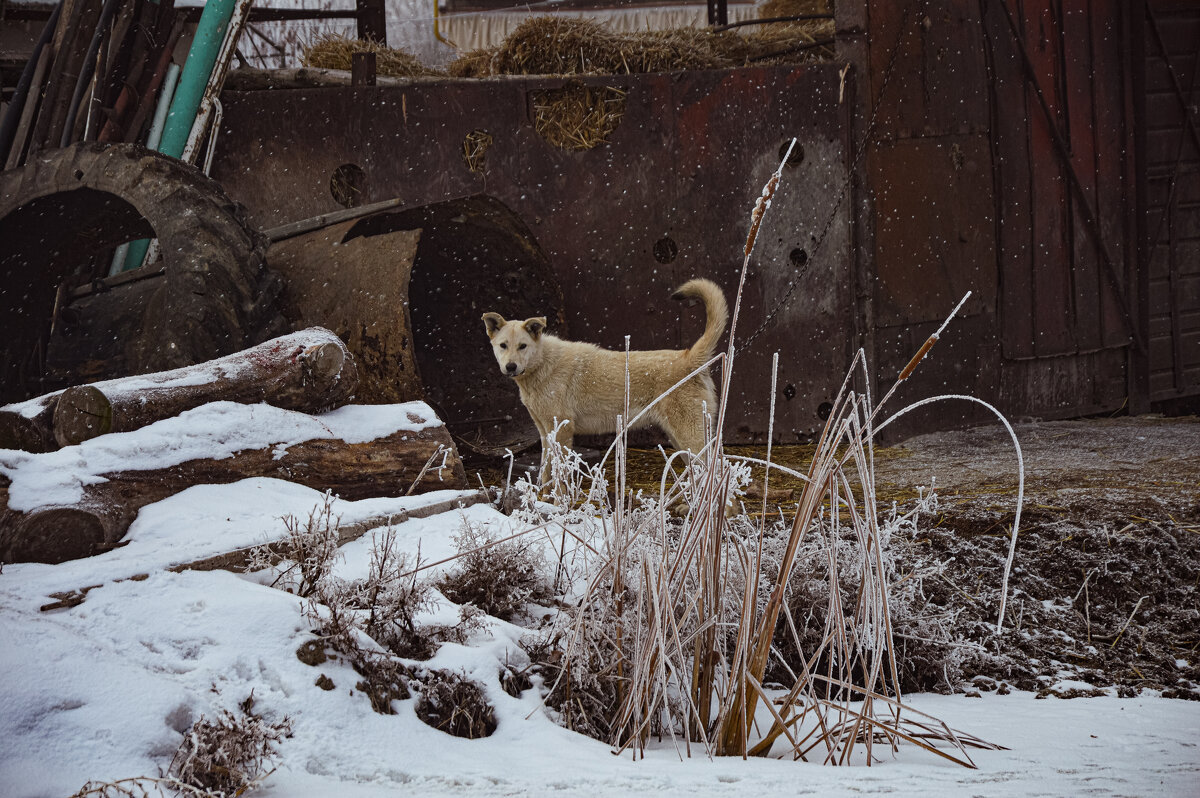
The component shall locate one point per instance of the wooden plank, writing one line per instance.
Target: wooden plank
(1083, 63)
(1114, 169)
(1052, 291)
(1010, 136)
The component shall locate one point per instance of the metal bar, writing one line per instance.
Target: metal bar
(1134, 46)
(88, 69)
(292, 229)
(1175, 280)
(1085, 206)
(718, 12)
(362, 69)
(15, 111)
(769, 20)
(146, 103)
(16, 152)
(216, 79)
(372, 20)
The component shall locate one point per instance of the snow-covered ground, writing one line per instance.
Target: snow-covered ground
(105, 690)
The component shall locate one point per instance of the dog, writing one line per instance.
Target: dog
(572, 387)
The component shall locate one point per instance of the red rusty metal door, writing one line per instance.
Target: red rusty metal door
(1061, 138)
(1170, 174)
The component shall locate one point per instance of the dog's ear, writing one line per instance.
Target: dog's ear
(493, 322)
(535, 326)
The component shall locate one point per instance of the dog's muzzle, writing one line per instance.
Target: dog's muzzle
(510, 369)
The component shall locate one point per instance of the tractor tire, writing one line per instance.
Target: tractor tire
(214, 296)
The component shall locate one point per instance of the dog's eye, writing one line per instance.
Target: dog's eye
(522, 346)
(504, 346)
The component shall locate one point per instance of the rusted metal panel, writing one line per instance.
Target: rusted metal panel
(933, 205)
(1066, 386)
(939, 78)
(1067, 284)
(686, 163)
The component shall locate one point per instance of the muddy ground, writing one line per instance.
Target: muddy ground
(1104, 587)
(1104, 593)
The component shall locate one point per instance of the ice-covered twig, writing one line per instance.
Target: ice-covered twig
(1012, 544)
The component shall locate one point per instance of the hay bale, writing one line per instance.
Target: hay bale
(336, 51)
(473, 64)
(551, 45)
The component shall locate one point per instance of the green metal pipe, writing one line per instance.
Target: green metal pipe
(210, 33)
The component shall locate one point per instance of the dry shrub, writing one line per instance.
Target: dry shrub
(308, 550)
(230, 755)
(497, 578)
(336, 51)
(384, 680)
(456, 705)
(675, 625)
(140, 787)
(384, 607)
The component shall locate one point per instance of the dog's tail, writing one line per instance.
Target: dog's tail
(717, 315)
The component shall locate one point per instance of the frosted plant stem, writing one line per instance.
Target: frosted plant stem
(1012, 544)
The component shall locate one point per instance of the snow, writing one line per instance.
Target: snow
(104, 690)
(215, 431)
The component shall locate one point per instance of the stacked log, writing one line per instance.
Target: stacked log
(309, 371)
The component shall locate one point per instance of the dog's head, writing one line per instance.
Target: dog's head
(514, 343)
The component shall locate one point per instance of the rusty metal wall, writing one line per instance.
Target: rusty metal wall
(1001, 142)
(669, 197)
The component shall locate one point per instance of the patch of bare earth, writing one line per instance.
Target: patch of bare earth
(1104, 589)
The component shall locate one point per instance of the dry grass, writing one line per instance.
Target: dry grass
(676, 624)
(578, 117)
(336, 51)
(551, 45)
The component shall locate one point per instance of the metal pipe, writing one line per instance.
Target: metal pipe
(87, 71)
(164, 105)
(209, 38)
(12, 114)
(216, 79)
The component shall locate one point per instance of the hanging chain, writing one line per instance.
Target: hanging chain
(845, 189)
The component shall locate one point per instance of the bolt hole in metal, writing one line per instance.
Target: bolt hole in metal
(347, 185)
(665, 250)
(797, 156)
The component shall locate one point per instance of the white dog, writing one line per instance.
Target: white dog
(581, 387)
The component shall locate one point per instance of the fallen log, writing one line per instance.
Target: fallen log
(310, 371)
(238, 559)
(76, 506)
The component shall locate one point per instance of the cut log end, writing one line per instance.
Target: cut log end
(83, 413)
(324, 362)
(53, 536)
